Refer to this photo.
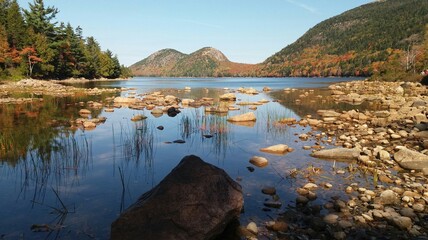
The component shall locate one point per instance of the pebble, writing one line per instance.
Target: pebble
(252, 227)
(331, 218)
(310, 186)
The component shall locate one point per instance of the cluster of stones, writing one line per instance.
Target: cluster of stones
(390, 144)
(39, 88)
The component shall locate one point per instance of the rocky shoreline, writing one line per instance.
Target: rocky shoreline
(388, 142)
(34, 88)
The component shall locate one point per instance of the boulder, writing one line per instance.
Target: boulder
(259, 161)
(410, 159)
(276, 149)
(338, 154)
(228, 97)
(172, 111)
(195, 201)
(246, 117)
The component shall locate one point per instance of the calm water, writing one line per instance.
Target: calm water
(77, 182)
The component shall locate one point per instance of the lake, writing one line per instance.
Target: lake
(64, 182)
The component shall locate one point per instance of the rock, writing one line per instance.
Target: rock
(345, 224)
(273, 204)
(205, 200)
(157, 111)
(259, 161)
(160, 127)
(276, 149)
(407, 212)
(187, 101)
(138, 117)
(384, 155)
(310, 186)
(388, 197)
(172, 111)
(247, 117)
(338, 153)
(269, 190)
(410, 159)
(403, 223)
(418, 207)
(89, 125)
(84, 112)
(252, 227)
(331, 219)
(278, 226)
(421, 135)
(228, 97)
(302, 200)
(125, 100)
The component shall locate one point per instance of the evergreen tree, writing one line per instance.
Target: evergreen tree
(4, 47)
(39, 18)
(92, 54)
(15, 26)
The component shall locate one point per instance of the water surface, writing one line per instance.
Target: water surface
(71, 183)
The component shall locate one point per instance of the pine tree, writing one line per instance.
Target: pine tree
(4, 47)
(39, 18)
(15, 26)
(92, 54)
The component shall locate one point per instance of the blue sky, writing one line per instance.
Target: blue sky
(245, 31)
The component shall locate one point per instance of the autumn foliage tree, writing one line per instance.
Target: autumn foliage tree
(29, 55)
(34, 44)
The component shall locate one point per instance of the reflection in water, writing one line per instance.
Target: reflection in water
(103, 171)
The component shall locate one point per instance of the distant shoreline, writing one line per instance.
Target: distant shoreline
(85, 80)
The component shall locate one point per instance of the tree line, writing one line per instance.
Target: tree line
(33, 44)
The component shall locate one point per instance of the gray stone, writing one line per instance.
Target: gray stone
(195, 201)
(407, 212)
(410, 159)
(388, 197)
(404, 223)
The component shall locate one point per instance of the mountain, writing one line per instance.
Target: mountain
(356, 42)
(375, 38)
(206, 62)
(158, 63)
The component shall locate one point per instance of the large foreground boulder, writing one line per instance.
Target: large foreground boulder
(338, 154)
(195, 201)
(410, 159)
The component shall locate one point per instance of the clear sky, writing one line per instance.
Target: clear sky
(246, 31)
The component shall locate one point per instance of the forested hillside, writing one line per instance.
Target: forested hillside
(358, 42)
(33, 44)
(206, 62)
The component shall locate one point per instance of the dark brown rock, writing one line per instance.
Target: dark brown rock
(195, 201)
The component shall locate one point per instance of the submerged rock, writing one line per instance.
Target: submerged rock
(195, 201)
(276, 149)
(259, 161)
(247, 117)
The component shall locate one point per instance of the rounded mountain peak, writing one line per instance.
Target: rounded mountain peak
(214, 53)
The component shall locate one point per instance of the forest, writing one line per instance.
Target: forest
(379, 39)
(34, 45)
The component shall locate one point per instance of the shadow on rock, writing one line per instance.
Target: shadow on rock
(195, 201)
